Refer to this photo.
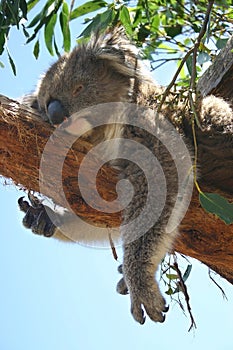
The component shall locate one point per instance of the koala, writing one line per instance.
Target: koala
(107, 71)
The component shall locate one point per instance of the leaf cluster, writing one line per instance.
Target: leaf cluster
(159, 27)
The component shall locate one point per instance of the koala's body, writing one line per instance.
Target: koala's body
(107, 70)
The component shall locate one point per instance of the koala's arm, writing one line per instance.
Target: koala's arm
(216, 115)
(62, 225)
(42, 220)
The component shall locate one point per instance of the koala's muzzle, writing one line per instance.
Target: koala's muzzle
(56, 112)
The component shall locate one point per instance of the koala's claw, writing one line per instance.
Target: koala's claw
(166, 308)
(137, 312)
(152, 311)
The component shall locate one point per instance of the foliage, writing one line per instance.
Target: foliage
(158, 27)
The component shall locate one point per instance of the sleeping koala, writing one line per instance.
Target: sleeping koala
(107, 71)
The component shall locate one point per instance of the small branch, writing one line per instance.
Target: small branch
(192, 87)
(197, 44)
(186, 295)
(213, 280)
(166, 92)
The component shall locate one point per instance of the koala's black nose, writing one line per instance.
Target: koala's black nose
(56, 112)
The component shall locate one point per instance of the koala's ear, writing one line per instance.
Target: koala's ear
(115, 58)
(110, 52)
(30, 100)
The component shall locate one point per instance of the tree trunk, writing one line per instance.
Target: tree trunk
(23, 136)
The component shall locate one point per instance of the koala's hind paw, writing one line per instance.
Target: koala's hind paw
(37, 216)
(145, 296)
(152, 302)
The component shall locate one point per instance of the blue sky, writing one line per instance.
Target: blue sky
(62, 296)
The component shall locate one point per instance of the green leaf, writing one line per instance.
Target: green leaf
(2, 41)
(189, 64)
(155, 22)
(27, 35)
(221, 43)
(99, 22)
(36, 49)
(43, 16)
(125, 19)
(64, 23)
(23, 7)
(89, 6)
(172, 276)
(49, 33)
(169, 291)
(31, 4)
(174, 30)
(14, 13)
(56, 48)
(218, 205)
(13, 67)
(203, 57)
(35, 20)
(187, 273)
(1, 65)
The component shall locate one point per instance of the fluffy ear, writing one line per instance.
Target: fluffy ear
(118, 60)
(30, 100)
(111, 52)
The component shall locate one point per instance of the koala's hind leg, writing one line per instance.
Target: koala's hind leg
(141, 260)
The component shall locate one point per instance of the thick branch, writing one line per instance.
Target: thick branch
(23, 137)
(218, 78)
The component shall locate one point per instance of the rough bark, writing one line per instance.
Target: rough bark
(218, 79)
(203, 236)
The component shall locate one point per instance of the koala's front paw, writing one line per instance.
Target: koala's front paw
(36, 217)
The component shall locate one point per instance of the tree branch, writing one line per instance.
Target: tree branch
(202, 235)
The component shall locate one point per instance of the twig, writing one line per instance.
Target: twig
(197, 44)
(186, 295)
(213, 280)
(166, 92)
(114, 253)
(192, 86)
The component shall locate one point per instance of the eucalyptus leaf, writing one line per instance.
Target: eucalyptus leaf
(31, 4)
(218, 205)
(99, 22)
(36, 49)
(23, 7)
(13, 67)
(49, 33)
(125, 19)
(64, 23)
(88, 7)
(187, 272)
(172, 276)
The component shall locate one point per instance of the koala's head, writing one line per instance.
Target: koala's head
(99, 71)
